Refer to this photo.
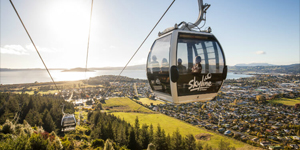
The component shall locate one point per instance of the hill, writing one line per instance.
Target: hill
(168, 124)
(286, 69)
(78, 70)
(255, 64)
(134, 67)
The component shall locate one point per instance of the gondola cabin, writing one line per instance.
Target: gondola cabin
(68, 122)
(186, 66)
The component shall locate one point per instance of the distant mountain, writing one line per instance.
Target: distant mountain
(135, 67)
(78, 70)
(255, 64)
(288, 69)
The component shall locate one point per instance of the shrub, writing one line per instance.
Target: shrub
(97, 143)
(36, 141)
(8, 127)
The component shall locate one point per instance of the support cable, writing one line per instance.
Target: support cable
(141, 44)
(88, 44)
(59, 91)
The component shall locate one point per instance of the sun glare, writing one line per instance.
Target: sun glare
(69, 19)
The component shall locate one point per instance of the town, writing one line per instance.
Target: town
(244, 108)
(261, 110)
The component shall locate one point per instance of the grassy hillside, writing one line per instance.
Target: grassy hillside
(170, 125)
(148, 101)
(286, 101)
(127, 109)
(124, 105)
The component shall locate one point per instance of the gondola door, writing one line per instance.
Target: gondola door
(158, 66)
(200, 63)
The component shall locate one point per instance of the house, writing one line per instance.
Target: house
(296, 138)
(294, 146)
(255, 139)
(221, 130)
(264, 143)
(275, 127)
(227, 132)
(286, 130)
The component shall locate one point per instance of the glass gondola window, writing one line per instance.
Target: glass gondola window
(158, 65)
(203, 63)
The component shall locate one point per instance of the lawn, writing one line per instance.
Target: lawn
(26, 92)
(124, 105)
(48, 92)
(170, 124)
(286, 101)
(148, 101)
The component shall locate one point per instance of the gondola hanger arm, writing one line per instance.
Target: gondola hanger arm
(202, 10)
(188, 26)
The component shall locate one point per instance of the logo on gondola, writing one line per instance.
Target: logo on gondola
(200, 85)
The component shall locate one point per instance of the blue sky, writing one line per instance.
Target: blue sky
(253, 31)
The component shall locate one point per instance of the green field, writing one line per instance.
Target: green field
(124, 105)
(170, 125)
(40, 92)
(286, 101)
(148, 101)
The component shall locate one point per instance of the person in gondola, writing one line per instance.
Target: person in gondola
(197, 68)
(181, 68)
(164, 66)
(164, 74)
(155, 65)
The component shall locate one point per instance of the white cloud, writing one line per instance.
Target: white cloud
(20, 50)
(260, 52)
(14, 50)
(41, 49)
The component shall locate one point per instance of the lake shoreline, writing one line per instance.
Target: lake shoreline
(41, 76)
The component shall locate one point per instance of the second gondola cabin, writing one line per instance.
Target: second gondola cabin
(186, 66)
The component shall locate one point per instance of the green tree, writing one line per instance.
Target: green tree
(137, 128)
(160, 139)
(36, 141)
(48, 125)
(177, 140)
(97, 143)
(144, 136)
(190, 142)
(151, 133)
(132, 141)
(33, 118)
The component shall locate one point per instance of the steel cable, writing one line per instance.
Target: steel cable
(141, 44)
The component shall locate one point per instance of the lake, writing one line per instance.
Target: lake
(30, 76)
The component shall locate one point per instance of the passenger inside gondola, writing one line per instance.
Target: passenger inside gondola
(181, 68)
(197, 68)
(164, 66)
(155, 65)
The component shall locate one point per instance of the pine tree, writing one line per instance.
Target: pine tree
(144, 136)
(151, 133)
(33, 118)
(137, 128)
(160, 139)
(48, 125)
(132, 141)
(190, 142)
(177, 140)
